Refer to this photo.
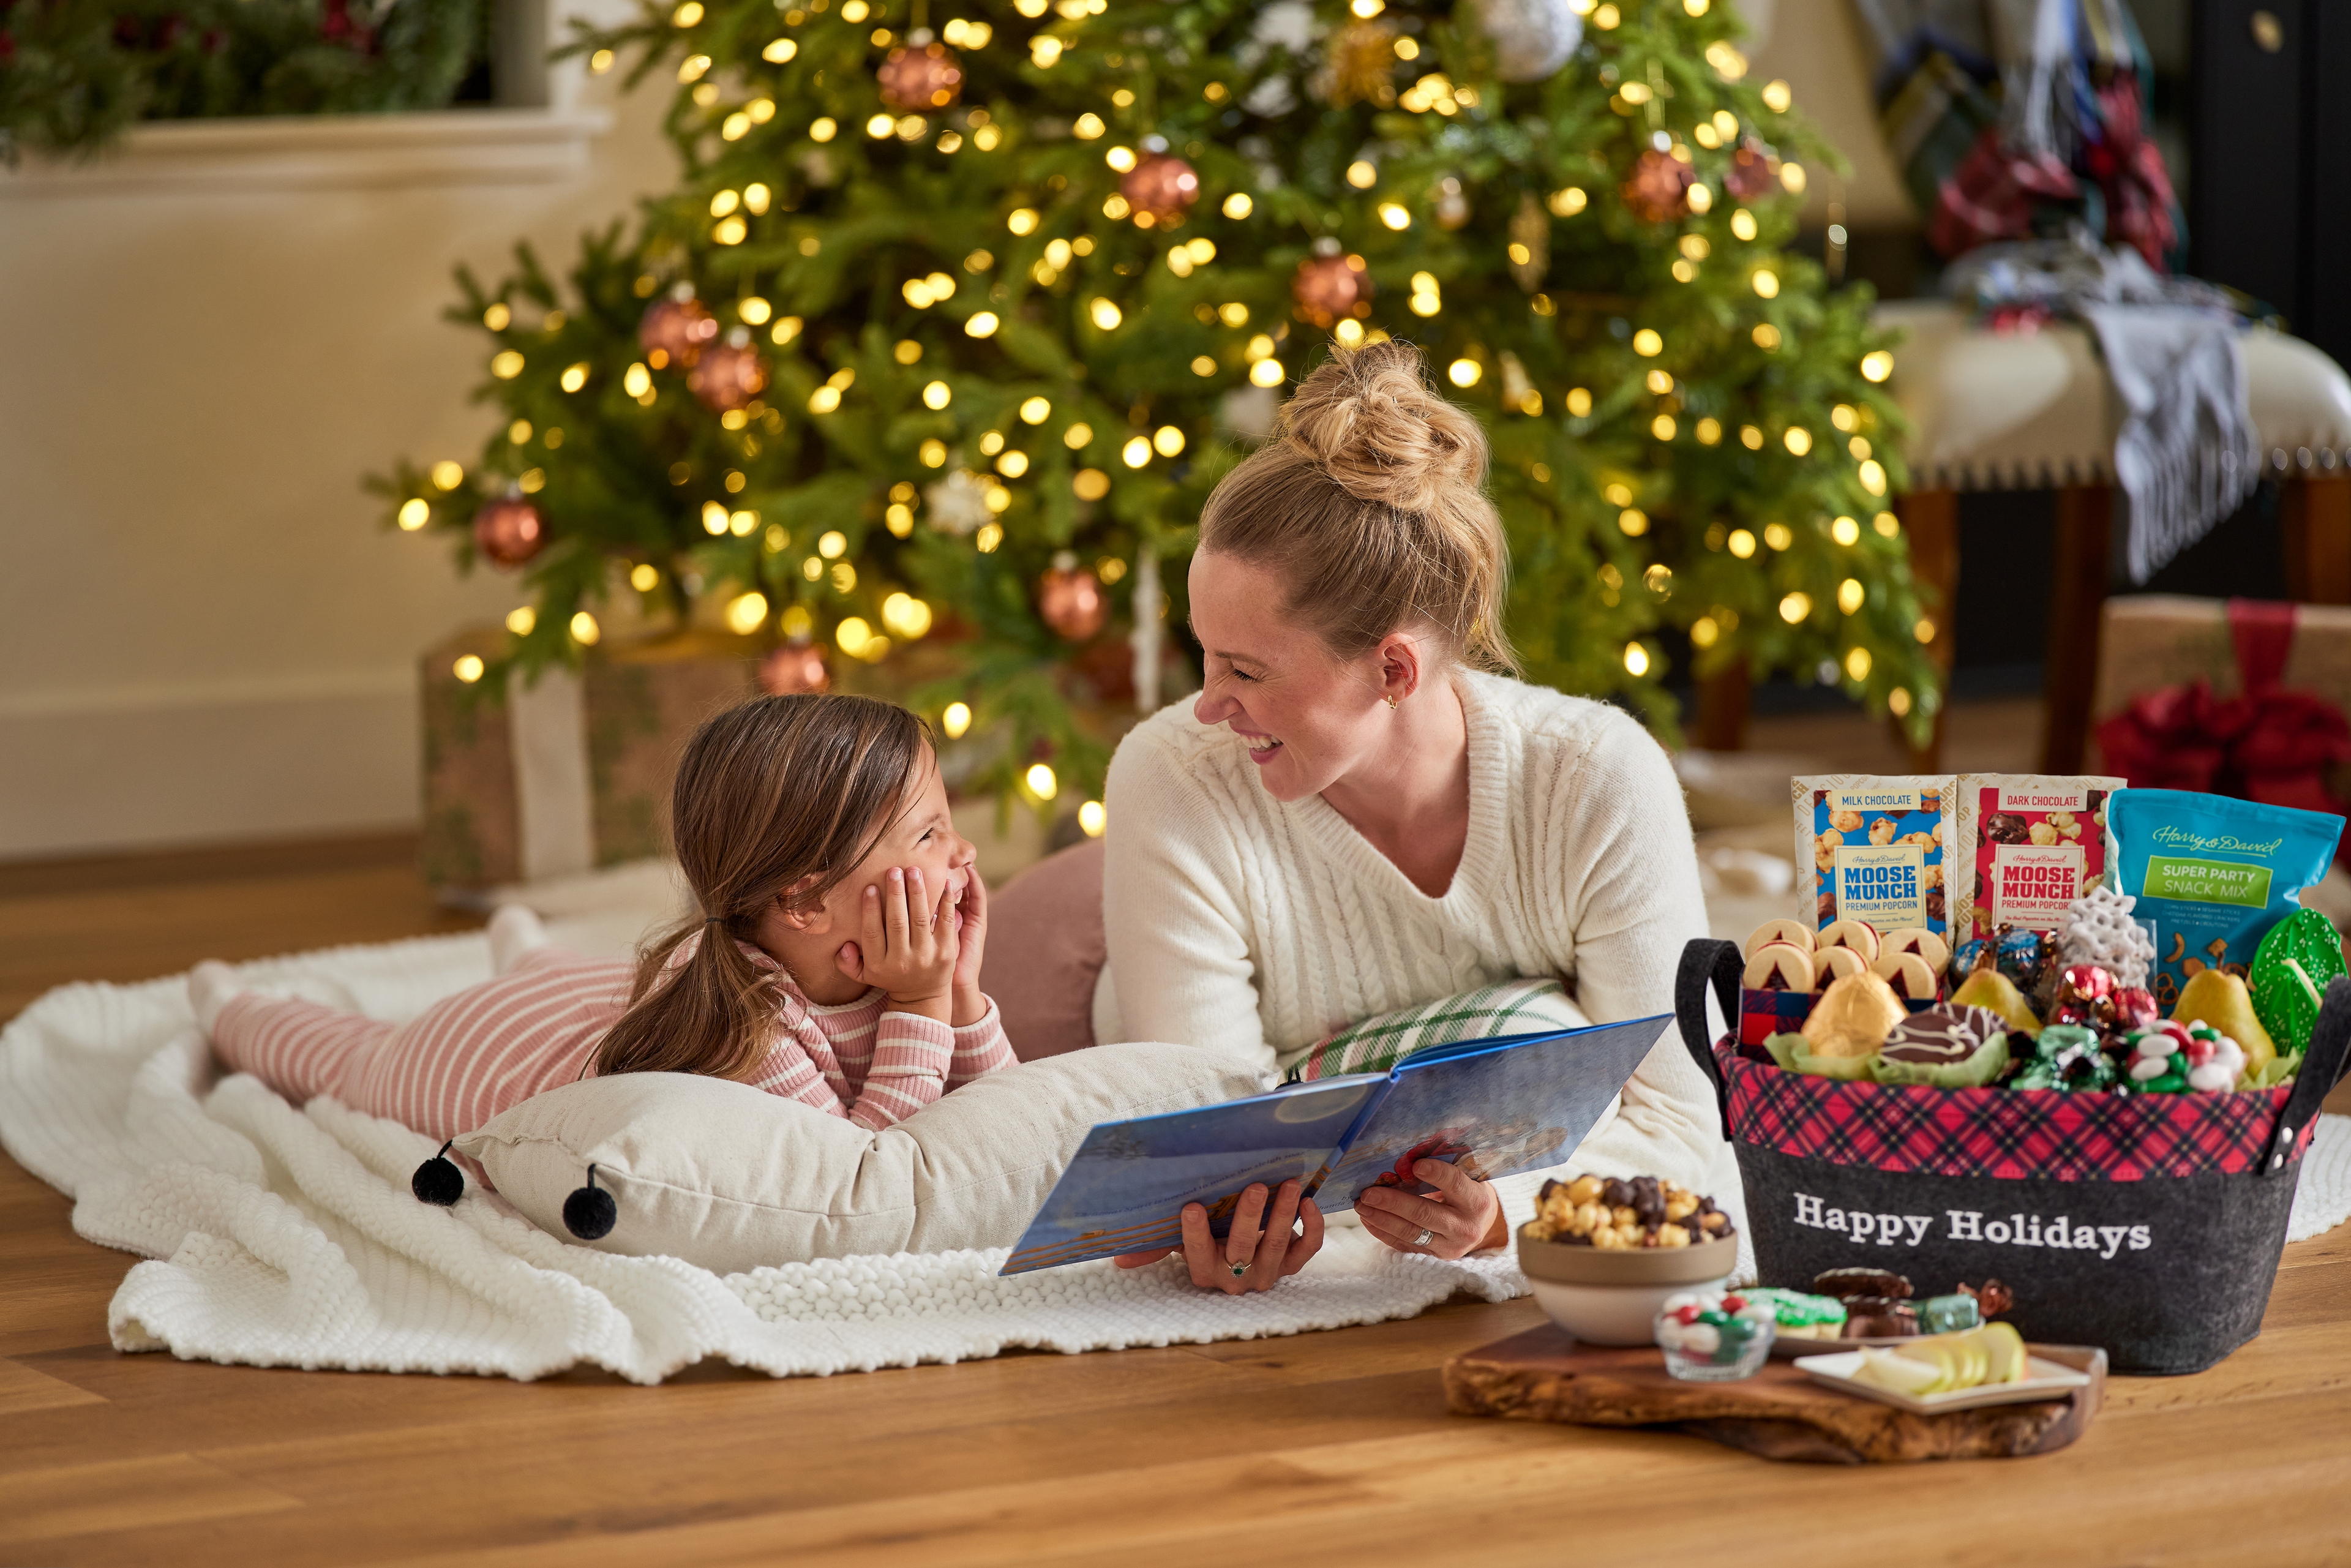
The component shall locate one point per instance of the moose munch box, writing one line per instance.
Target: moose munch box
(1871, 847)
(2030, 845)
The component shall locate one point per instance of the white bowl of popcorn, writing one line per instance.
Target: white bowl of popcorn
(1602, 1270)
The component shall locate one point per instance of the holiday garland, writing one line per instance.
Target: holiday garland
(75, 74)
(957, 317)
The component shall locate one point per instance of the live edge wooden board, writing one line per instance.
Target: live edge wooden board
(1543, 1374)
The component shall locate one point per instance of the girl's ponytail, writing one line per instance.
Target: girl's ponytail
(778, 798)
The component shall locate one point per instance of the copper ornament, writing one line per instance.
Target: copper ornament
(727, 376)
(1749, 174)
(1329, 286)
(1161, 184)
(1072, 601)
(509, 531)
(917, 81)
(794, 667)
(1660, 188)
(675, 331)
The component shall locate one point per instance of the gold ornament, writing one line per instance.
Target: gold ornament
(1358, 66)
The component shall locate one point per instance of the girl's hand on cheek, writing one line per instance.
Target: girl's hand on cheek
(906, 944)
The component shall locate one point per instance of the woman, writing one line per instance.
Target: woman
(1356, 817)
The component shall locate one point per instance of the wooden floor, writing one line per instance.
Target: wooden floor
(1326, 1447)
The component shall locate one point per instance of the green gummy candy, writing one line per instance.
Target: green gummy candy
(2289, 974)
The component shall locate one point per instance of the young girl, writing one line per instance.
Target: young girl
(836, 960)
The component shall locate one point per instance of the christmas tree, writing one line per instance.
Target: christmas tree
(956, 319)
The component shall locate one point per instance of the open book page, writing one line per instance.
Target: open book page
(1496, 1107)
(1129, 1181)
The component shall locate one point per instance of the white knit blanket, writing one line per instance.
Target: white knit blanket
(286, 1237)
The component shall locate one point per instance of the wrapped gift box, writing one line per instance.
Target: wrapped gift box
(2149, 641)
(569, 771)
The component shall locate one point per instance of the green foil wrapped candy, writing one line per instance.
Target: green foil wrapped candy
(2289, 974)
(2066, 1056)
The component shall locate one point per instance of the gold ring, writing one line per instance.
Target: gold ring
(1237, 1269)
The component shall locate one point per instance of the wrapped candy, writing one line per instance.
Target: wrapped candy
(2085, 996)
(2022, 954)
(2133, 1007)
(2066, 1057)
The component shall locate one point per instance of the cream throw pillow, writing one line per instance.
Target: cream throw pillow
(730, 1178)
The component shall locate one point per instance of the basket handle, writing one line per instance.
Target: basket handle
(2329, 1043)
(1706, 959)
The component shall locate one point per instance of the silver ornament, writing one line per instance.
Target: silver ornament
(1532, 39)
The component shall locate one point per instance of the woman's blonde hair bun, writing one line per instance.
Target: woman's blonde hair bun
(1370, 503)
(1370, 417)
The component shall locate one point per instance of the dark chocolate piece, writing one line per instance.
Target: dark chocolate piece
(1879, 1317)
(1845, 1284)
(2006, 828)
(1935, 906)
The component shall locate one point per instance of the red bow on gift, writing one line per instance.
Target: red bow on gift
(2269, 744)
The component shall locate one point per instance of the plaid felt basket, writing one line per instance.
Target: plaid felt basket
(2150, 1224)
(1377, 1044)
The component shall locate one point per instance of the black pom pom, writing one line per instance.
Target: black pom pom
(438, 1181)
(589, 1212)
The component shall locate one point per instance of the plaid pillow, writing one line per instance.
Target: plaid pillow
(1377, 1044)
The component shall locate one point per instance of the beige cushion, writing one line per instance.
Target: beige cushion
(730, 1178)
(1994, 409)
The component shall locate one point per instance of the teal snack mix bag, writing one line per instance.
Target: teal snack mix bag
(1871, 847)
(2214, 874)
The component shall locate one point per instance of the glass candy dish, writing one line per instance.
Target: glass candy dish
(1714, 1339)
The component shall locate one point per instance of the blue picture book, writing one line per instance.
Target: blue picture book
(1495, 1107)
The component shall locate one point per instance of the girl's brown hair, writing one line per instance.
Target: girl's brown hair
(781, 797)
(1370, 503)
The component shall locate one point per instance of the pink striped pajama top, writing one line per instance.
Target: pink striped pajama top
(491, 1046)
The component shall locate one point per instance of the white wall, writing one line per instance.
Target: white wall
(204, 635)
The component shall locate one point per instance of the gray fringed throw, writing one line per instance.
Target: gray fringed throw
(2186, 454)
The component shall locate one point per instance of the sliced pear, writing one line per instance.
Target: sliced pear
(2219, 999)
(1895, 1373)
(2005, 1347)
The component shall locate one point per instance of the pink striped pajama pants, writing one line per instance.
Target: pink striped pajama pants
(453, 1066)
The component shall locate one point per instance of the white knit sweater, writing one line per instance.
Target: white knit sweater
(1235, 919)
